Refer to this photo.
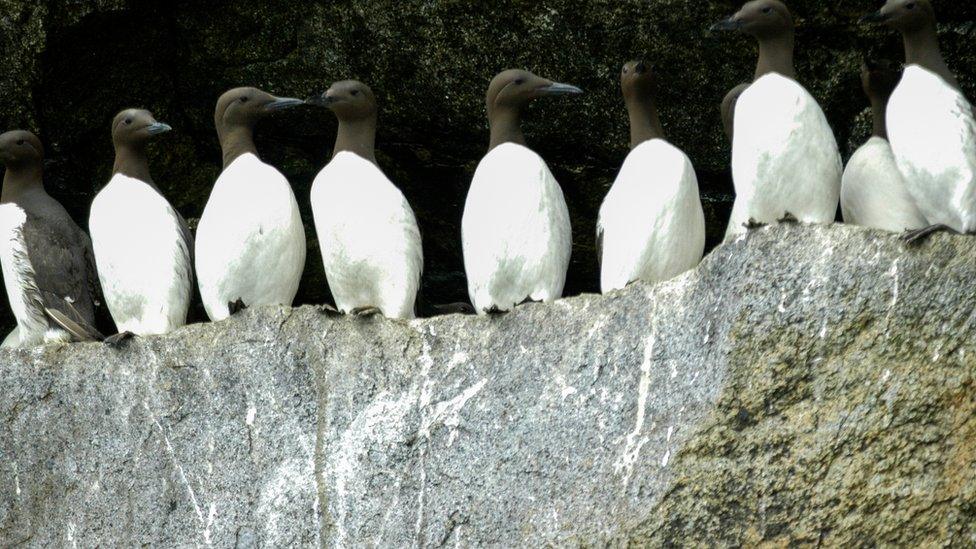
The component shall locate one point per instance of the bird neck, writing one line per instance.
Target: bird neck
(236, 141)
(357, 136)
(131, 161)
(922, 49)
(879, 111)
(644, 121)
(506, 126)
(20, 180)
(776, 55)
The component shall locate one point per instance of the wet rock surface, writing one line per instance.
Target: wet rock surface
(805, 385)
(71, 65)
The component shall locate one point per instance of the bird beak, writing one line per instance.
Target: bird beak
(876, 17)
(555, 88)
(324, 100)
(730, 24)
(280, 103)
(157, 128)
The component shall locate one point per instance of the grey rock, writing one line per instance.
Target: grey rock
(805, 385)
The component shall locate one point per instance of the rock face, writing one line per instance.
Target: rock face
(70, 65)
(805, 385)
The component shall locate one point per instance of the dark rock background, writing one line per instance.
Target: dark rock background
(71, 64)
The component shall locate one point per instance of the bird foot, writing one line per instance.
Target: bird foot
(752, 224)
(329, 310)
(789, 218)
(494, 310)
(236, 306)
(116, 341)
(365, 312)
(916, 237)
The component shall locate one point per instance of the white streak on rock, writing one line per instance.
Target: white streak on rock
(448, 411)
(893, 273)
(179, 468)
(381, 420)
(625, 462)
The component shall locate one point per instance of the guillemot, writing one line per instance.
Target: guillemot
(143, 247)
(515, 232)
(47, 260)
(785, 161)
(873, 191)
(370, 242)
(651, 226)
(251, 245)
(931, 125)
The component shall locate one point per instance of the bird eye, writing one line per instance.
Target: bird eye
(128, 121)
(767, 10)
(244, 99)
(355, 93)
(21, 142)
(910, 5)
(519, 81)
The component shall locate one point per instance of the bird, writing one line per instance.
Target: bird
(47, 260)
(785, 160)
(728, 108)
(143, 247)
(515, 231)
(651, 226)
(873, 192)
(370, 241)
(250, 244)
(931, 126)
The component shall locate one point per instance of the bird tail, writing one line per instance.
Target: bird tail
(78, 328)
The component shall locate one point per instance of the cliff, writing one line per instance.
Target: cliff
(804, 386)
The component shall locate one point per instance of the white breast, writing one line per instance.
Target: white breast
(250, 241)
(19, 280)
(873, 192)
(651, 223)
(784, 156)
(516, 233)
(142, 258)
(933, 137)
(369, 237)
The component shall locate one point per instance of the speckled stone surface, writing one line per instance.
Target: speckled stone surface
(806, 385)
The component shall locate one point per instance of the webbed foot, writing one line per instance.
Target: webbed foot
(236, 306)
(366, 312)
(117, 341)
(329, 310)
(494, 310)
(752, 224)
(789, 218)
